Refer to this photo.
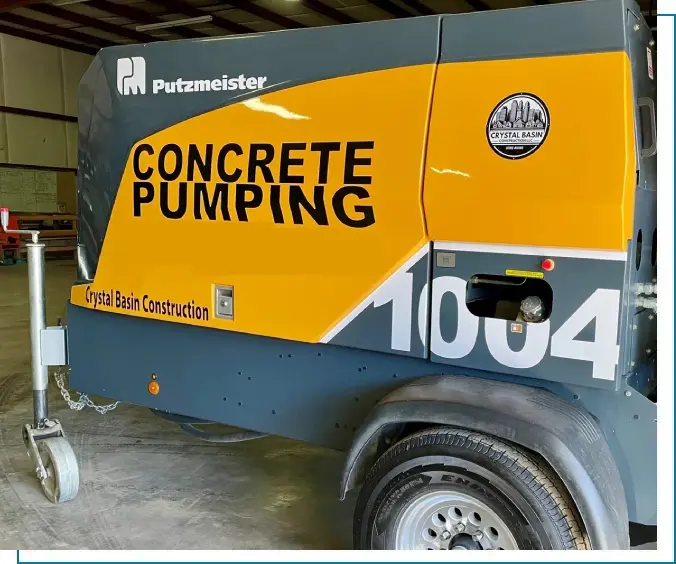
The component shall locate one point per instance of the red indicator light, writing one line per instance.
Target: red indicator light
(548, 265)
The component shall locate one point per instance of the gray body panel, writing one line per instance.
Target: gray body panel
(640, 335)
(557, 29)
(311, 392)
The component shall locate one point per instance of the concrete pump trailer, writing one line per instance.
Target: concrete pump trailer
(430, 242)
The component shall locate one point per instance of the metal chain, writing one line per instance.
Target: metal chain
(83, 401)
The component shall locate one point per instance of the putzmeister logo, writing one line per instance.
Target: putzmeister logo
(131, 75)
(131, 79)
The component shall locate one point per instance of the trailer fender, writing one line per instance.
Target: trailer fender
(568, 438)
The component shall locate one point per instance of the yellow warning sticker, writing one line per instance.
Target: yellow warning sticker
(524, 273)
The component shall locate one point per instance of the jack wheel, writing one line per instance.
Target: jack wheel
(62, 480)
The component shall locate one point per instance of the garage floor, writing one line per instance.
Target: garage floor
(144, 484)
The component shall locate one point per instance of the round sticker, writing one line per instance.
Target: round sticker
(518, 126)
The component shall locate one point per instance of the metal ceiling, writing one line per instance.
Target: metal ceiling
(87, 25)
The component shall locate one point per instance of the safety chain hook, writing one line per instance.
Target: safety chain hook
(83, 401)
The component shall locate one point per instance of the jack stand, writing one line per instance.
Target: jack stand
(54, 459)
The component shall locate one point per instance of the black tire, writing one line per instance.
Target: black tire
(519, 487)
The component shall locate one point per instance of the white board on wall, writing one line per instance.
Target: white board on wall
(27, 190)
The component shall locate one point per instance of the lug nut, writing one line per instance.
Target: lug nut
(478, 536)
(445, 535)
(459, 528)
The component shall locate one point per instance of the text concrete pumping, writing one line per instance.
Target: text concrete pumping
(285, 171)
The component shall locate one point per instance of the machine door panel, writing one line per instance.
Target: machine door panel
(313, 220)
(517, 124)
(476, 322)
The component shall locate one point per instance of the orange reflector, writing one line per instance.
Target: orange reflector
(154, 388)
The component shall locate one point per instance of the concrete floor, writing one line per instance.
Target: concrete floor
(144, 484)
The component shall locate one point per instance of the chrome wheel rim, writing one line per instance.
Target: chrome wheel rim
(447, 520)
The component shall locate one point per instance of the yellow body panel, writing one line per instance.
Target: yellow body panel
(293, 281)
(576, 190)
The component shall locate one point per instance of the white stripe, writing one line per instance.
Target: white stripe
(537, 251)
(370, 298)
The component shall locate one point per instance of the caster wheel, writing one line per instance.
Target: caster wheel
(62, 481)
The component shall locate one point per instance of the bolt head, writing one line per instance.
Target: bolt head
(648, 351)
(651, 317)
(459, 528)
(445, 535)
(478, 536)
(636, 27)
(634, 327)
(651, 42)
(627, 393)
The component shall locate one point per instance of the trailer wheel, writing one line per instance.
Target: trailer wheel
(62, 480)
(452, 489)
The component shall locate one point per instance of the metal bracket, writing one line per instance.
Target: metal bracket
(31, 435)
(53, 346)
